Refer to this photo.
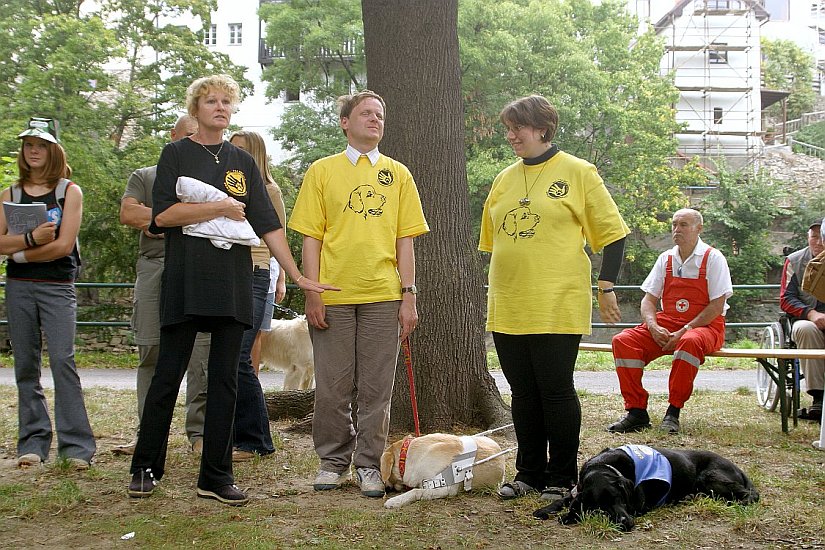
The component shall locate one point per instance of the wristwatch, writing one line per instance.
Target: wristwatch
(606, 290)
(412, 289)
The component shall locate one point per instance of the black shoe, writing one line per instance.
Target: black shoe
(810, 414)
(228, 494)
(630, 423)
(143, 483)
(670, 424)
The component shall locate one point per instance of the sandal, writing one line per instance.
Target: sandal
(552, 494)
(515, 489)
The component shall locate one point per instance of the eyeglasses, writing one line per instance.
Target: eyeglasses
(515, 129)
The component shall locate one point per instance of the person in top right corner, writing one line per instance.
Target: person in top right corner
(808, 317)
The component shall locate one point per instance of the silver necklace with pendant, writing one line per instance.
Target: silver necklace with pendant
(217, 160)
(526, 200)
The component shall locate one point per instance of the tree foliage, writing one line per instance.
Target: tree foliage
(738, 217)
(615, 109)
(88, 65)
(786, 66)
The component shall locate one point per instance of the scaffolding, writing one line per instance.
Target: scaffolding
(713, 55)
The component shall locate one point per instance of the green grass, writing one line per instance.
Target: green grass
(56, 507)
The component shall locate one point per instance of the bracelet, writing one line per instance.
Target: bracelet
(31, 238)
(687, 327)
(27, 240)
(606, 290)
(298, 280)
(19, 257)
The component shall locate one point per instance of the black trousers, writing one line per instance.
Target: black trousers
(176, 342)
(546, 408)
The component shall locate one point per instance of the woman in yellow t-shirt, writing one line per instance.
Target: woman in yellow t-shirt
(538, 216)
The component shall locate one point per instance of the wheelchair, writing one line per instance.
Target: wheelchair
(775, 336)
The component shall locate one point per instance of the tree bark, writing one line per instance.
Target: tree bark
(289, 404)
(413, 63)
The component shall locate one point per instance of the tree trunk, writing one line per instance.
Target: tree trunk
(412, 61)
(289, 404)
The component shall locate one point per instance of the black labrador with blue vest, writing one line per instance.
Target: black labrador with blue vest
(628, 481)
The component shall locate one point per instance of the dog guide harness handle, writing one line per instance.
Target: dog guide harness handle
(461, 469)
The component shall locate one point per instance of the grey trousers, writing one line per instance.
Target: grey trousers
(808, 336)
(52, 308)
(146, 325)
(354, 363)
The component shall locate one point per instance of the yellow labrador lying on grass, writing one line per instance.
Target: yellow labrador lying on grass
(440, 465)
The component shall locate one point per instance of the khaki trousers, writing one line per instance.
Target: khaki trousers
(354, 363)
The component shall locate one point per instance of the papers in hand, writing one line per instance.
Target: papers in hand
(22, 218)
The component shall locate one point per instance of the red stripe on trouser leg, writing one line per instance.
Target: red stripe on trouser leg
(630, 382)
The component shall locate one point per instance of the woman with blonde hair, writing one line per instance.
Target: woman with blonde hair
(252, 434)
(205, 288)
(40, 297)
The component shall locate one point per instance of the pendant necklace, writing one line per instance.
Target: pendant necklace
(217, 160)
(526, 200)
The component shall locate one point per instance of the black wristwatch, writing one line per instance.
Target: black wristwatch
(606, 290)
(411, 289)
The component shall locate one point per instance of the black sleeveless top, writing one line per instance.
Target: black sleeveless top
(61, 270)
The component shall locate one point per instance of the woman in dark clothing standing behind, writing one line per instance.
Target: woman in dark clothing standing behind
(205, 288)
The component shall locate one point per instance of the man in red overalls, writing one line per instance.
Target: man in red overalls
(692, 282)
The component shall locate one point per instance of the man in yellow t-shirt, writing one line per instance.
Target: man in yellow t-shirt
(359, 212)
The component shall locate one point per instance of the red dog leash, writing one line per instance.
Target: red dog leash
(405, 346)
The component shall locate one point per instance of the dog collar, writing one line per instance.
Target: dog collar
(402, 456)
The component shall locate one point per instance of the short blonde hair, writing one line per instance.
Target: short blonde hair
(203, 85)
(346, 103)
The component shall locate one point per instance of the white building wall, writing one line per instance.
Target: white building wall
(804, 24)
(715, 60)
(255, 113)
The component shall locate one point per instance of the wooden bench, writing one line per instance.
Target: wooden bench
(778, 372)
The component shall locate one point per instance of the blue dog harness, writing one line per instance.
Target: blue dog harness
(650, 465)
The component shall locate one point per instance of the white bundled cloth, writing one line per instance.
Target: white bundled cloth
(221, 231)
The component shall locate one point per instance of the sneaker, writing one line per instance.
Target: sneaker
(127, 449)
(239, 455)
(143, 483)
(228, 494)
(515, 489)
(78, 464)
(197, 446)
(370, 481)
(629, 423)
(325, 480)
(29, 459)
(670, 424)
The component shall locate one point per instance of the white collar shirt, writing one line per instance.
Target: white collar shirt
(718, 272)
(354, 154)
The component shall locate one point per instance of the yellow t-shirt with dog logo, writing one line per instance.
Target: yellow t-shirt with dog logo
(540, 273)
(359, 212)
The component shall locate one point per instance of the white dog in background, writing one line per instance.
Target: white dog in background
(287, 348)
(424, 468)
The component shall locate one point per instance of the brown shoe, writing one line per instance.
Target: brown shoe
(197, 446)
(239, 455)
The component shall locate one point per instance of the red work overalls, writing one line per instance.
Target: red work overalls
(682, 300)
